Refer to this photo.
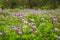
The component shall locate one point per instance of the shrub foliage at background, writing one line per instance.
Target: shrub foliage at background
(48, 4)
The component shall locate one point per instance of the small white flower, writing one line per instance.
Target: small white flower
(25, 26)
(25, 21)
(32, 19)
(42, 18)
(42, 24)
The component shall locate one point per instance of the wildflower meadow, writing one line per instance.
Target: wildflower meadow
(30, 24)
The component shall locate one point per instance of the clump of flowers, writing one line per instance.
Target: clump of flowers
(1, 33)
(55, 21)
(56, 29)
(51, 16)
(25, 20)
(19, 26)
(13, 27)
(35, 32)
(32, 25)
(5, 31)
(17, 14)
(3, 22)
(20, 32)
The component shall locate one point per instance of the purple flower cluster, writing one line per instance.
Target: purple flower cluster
(13, 27)
(1, 33)
(35, 32)
(32, 25)
(5, 32)
(17, 14)
(56, 29)
(59, 37)
(18, 29)
(55, 21)
(51, 15)
(20, 32)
